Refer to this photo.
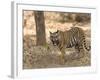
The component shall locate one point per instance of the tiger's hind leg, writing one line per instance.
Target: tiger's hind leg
(80, 51)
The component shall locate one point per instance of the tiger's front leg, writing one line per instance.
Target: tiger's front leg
(62, 59)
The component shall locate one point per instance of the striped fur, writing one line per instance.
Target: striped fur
(75, 37)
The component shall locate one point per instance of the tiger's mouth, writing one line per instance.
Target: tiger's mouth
(55, 43)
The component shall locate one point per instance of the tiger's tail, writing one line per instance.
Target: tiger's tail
(85, 46)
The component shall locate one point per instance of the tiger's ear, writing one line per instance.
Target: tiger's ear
(57, 31)
(50, 32)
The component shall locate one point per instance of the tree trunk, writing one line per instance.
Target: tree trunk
(40, 27)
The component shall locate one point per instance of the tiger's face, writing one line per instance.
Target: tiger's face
(54, 37)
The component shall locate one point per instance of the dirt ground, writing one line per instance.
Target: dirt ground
(42, 57)
(47, 56)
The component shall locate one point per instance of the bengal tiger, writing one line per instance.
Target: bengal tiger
(75, 37)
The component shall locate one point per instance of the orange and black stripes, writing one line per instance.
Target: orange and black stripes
(75, 37)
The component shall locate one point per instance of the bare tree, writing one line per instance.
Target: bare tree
(40, 27)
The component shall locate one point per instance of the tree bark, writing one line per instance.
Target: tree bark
(40, 28)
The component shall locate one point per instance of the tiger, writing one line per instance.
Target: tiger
(74, 37)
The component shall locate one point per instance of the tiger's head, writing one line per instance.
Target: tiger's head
(54, 37)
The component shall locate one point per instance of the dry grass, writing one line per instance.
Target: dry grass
(49, 57)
